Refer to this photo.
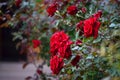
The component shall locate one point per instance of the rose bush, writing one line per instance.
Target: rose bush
(83, 37)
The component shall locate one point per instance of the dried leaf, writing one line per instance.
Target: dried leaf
(28, 78)
(4, 25)
(37, 50)
(25, 65)
(102, 50)
(115, 78)
(8, 16)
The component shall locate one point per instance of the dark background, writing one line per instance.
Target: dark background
(8, 51)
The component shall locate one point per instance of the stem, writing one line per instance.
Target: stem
(34, 63)
(77, 34)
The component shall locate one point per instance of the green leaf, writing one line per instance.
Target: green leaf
(75, 75)
(77, 34)
(69, 71)
(84, 77)
(17, 35)
(38, 0)
(112, 25)
(90, 56)
(97, 40)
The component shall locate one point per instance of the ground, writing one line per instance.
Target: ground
(14, 70)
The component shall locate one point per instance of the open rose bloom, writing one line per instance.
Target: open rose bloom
(60, 44)
(36, 43)
(72, 10)
(52, 9)
(56, 64)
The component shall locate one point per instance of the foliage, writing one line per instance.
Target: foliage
(99, 57)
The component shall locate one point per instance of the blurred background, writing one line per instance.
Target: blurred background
(8, 51)
(10, 60)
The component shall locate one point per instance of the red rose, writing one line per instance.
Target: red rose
(88, 27)
(75, 60)
(60, 44)
(91, 25)
(36, 43)
(79, 25)
(78, 42)
(83, 10)
(64, 50)
(52, 9)
(96, 28)
(39, 71)
(72, 10)
(98, 14)
(56, 64)
(18, 2)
